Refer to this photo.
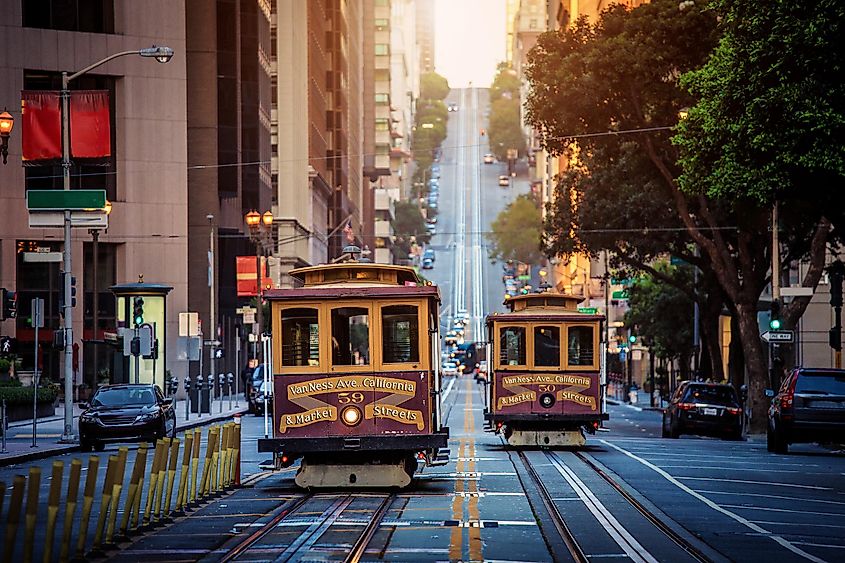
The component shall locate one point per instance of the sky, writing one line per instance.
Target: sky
(469, 40)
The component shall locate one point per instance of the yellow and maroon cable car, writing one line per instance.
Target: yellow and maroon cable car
(355, 376)
(546, 386)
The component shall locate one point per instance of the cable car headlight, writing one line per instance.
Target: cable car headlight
(547, 400)
(350, 416)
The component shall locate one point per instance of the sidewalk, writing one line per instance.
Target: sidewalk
(49, 430)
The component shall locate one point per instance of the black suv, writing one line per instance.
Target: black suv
(121, 413)
(808, 407)
(706, 409)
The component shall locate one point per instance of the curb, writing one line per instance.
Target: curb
(16, 459)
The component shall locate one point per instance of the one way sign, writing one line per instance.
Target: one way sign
(778, 336)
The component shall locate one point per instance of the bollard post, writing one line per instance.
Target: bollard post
(227, 465)
(171, 475)
(162, 470)
(195, 462)
(153, 481)
(87, 502)
(221, 479)
(182, 491)
(206, 469)
(133, 504)
(31, 512)
(117, 488)
(53, 509)
(237, 453)
(70, 508)
(215, 462)
(14, 518)
(105, 503)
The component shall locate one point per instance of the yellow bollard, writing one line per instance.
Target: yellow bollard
(218, 459)
(31, 512)
(227, 455)
(139, 490)
(162, 470)
(236, 455)
(195, 462)
(70, 508)
(132, 491)
(105, 503)
(117, 487)
(181, 493)
(171, 475)
(153, 480)
(206, 469)
(14, 518)
(53, 508)
(215, 457)
(87, 502)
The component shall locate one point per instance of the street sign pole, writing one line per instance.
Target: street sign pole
(67, 313)
(37, 322)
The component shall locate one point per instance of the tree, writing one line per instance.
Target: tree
(505, 129)
(408, 225)
(505, 84)
(515, 233)
(433, 86)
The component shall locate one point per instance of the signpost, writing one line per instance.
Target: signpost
(778, 336)
(37, 322)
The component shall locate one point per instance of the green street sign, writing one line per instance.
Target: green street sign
(620, 294)
(61, 200)
(588, 310)
(620, 281)
(524, 278)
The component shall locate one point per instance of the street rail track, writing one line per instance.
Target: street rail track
(298, 548)
(623, 537)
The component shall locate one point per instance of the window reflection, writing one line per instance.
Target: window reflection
(350, 336)
(546, 346)
(300, 337)
(512, 346)
(400, 334)
(580, 346)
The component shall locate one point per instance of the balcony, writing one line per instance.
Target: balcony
(383, 229)
(383, 202)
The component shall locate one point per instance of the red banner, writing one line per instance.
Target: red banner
(245, 274)
(41, 126)
(90, 128)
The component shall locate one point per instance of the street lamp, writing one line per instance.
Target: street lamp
(260, 226)
(162, 55)
(7, 123)
(95, 251)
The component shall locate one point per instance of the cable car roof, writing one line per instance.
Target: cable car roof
(547, 305)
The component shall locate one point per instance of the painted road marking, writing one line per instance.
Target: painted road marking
(788, 510)
(779, 497)
(766, 483)
(611, 525)
(448, 389)
(745, 522)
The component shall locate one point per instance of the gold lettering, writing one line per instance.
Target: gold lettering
(511, 400)
(578, 398)
(399, 414)
(305, 418)
(333, 384)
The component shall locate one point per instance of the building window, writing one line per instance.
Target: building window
(106, 273)
(300, 337)
(400, 334)
(382, 2)
(382, 99)
(532, 24)
(91, 16)
(97, 174)
(382, 24)
(382, 124)
(382, 49)
(350, 336)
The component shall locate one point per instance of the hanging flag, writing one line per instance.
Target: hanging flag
(41, 125)
(90, 124)
(245, 276)
(350, 234)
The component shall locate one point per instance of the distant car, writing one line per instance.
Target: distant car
(706, 409)
(489, 158)
(504, 181)
(431, 228)
(808, 407)
(427, 264)
(431, 220)
(257, 405)
(453, 106)
(126, 413)
(254, 386)
(429, 253)
(481, 371)
(450, 368)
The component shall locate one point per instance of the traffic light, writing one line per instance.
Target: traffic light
(835, 277)
(138, 311)
(73, 291)
(632, 339)
(774, 315)
(9, 304)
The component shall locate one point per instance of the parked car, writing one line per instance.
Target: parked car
(450, 368)
(431, 228)
(429, 253)
(453, 106)
(808, 407)
(255, 388)
(489, 158)
(126, 413)
(427, 264)
(504, 181)
(706, 409)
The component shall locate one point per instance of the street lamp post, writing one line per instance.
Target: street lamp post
(7, 123)
(260, 226)
(162, 55)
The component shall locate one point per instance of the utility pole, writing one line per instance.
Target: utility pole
(774, 322)
(212, 286)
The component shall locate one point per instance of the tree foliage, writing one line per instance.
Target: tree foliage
(408, 225)
(505, 128)
(433, 86)
(505, 84)
(515, 233)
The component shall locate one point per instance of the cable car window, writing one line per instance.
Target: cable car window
(350, 336)
(400, 334)
(580, 346)
(300, 337)
(512, 346)
(546, 346)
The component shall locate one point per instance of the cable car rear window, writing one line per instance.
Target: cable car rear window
(512, 346)
(300, 337)
(546, 346)
(400, 334)
(580, 346)
(350, 336)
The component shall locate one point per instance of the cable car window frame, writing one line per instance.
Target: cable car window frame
(526, 327)
(560, 332)
(373, 363)
(277, 310)
(595, 327)
(422, 336)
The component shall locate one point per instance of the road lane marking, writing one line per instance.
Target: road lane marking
(779, 497)
(792, 524)
(785, 510)
(745, 522)
(448, 389)
(611, 525)
(766, 483)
